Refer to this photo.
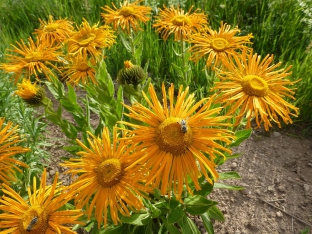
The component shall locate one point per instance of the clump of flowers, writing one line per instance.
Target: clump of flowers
(128, 16)
(176, 21)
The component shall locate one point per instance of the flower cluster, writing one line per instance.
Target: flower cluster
(165, 142)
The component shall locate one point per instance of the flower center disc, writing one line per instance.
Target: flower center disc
(219, 44)
(34, 221)
(83, 67)
(33, 57)
(126, 11)
(170, 138)
(51, 27)
(88, 40)
(109, 172)
(180, 20)
(255, 86)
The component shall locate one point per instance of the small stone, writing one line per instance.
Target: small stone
(234, 165)
(270, 188)
(249, 170)
(306, 189)
(276, 134)
(310, 164)
(281, 188)
(51, 172)
(279, 214)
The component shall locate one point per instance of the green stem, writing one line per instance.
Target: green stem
(185, 77)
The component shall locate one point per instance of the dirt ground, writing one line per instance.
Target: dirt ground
(276, 171)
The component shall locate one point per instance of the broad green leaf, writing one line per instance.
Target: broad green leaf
(241, 136)
(207, 223)
(215, 213)
(206, 188)
(229, 175)
(114, 229)
(175, 214)
(137, 219)
(170, 227)
(225, 186)
(72, 97)
(197, 204)
(188, 226)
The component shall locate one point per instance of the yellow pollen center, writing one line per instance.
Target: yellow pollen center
(33, 57)
(219, 44)
(51, 27)
(171, 138)
(255, 86)
(126, 11)
(87, 40)
(83, 67)
(180, 20)
(109, 172)
(34, 221)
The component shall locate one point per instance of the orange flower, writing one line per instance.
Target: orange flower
(218, 45)
(175, 21)
(128, 16)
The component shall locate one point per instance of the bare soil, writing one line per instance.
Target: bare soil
(276, 171)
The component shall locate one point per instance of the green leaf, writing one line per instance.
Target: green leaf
(241, 136)
(119, 101)
(114, 229)
(225, 186)
(215, 213)
(207, 223)
(170, 227)
(233, 156)
(206, 188)
(198, 204)
(229, 175)
(188, 226)
(137, 219)
(105, 79)
(176, 211)
(125, 42)
(72, 97)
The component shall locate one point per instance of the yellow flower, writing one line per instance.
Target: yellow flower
(8, 148)
(54, 31)
(32, 94)
(180, 143)
(256, 89)
(39, 213)
(79, 70)
(182, 25)
(218, 45)
(89, 40)
(32, 57)
(106, 178)
(128, 16)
